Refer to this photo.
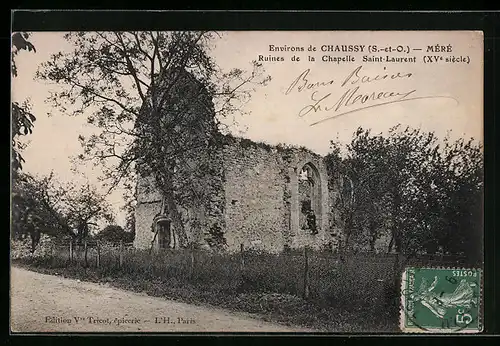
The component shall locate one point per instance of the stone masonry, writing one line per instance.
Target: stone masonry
(261, 198)
(251, 190)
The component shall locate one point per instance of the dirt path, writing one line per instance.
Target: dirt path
(46, 303)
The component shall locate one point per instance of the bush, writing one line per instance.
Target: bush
(21, 248)
(115, 234)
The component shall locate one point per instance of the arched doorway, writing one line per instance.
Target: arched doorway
(309, 200)
(164, 236)
(309, 203)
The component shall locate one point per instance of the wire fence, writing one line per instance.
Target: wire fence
(91, 253)
(302, 272)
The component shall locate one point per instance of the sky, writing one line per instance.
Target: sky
(306, 102)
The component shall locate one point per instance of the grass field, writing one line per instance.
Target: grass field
(356, 295)
(352, 296)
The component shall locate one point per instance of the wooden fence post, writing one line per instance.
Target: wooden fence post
(242, 258)
(53, 253)
(306, 274)
(191, 269)
(121, 253)
(98, 258)
(71, 250)
(76, 251)
(396, 267)
(86, 253)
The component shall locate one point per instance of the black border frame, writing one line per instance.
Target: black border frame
(488, 22)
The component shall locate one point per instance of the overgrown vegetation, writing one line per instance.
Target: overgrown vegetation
(22, 118)
(344, 297)
(425, 191)
(160, 99)
(355, 296)
(44, 205)
(157, 100)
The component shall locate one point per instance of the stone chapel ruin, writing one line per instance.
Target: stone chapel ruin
(264, 197)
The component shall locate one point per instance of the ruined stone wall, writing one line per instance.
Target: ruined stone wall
(148, 205)
(254, 187)
(226, 191)
(261, 189)
(144, 214)
(260, 203)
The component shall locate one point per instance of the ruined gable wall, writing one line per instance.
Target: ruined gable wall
(261, 189)
(255, 212)
(257, 207)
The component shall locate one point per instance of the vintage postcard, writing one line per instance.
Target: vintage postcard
(247, 181)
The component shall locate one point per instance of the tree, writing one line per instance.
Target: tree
(115, 234)
(34, 209)
(23, 221)
(448, 200)
(22, 118)
(142, 90)
(359, 178)
(427, 193)
(84, 207)
(42, 205)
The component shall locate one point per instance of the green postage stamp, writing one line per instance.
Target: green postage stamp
(441, 300)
